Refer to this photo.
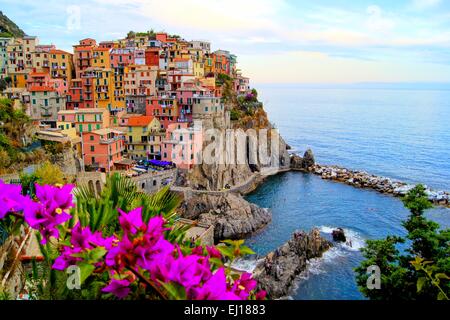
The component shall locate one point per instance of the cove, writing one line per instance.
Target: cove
(304, 201)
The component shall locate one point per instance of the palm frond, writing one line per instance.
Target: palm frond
(99, 212)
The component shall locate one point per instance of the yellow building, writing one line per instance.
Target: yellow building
(144, 137)
(101, 58)
(118, 91)
(19, 79)
(61, 65)
(199, 69)
(67, 128)
(98, 83)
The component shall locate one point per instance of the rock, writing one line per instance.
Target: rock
(232, 216)
(276, 273)
(308, 159)
(339, 235)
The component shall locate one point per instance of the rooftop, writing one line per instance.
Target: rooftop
(140, 121)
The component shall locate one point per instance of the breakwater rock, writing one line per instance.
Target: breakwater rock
(232, 216)
(277, 271)
(385, 185)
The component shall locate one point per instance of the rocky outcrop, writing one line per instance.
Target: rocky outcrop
(304, 163)
(277, 271)
(339, 235)
(232, 216)
(363, 179)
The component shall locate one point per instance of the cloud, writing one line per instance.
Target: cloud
(377, 22)
(425, 4)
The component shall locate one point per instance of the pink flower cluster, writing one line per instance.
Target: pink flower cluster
(143, 246)
(45, 215)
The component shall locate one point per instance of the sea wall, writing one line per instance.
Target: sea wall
(363, 179)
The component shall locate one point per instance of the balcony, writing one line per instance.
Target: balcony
(109, 141)
(46, 114)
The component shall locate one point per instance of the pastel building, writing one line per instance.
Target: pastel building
(61, 65)
(97, 87)
(144, 138)
(4, 42)
(164, 108)
(83, 54)
(102, 149)
(140, 82)
(90, 119)
(182, 145)
(204, 106)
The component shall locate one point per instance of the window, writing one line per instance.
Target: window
(92, 148)
(91, 137)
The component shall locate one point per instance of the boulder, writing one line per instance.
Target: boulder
(339, 235)
(232, 216)
(277, 272)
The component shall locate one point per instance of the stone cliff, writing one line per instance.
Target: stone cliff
(232, 216)
(276, 273)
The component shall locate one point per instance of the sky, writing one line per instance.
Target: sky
(276, 41)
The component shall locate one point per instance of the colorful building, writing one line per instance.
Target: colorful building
(90, 119)
(61, 65)
(140, 82)
(102, 148)
(182, 145)
(164, 108)
(144, 138)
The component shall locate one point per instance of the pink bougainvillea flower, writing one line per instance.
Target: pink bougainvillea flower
(198, 251)
(244, 285)
(261, 295)
(81, 239)
(188, 271)
(51, 210)
(119, 288)
(215, 288)
(213, 252)
(131, 222)
(11, 198)
(55, 197)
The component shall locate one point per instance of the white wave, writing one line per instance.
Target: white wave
(246, 265)
(354, 240)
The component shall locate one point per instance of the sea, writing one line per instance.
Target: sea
(401, 132)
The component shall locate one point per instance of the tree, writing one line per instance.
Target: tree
(49, 173)
(401, 276)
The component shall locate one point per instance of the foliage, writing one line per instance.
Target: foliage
(430, 276)
(424, 242)
(49, 173)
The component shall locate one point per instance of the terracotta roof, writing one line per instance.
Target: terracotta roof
(38, 74)
(57, 51)
(101, 49)
(38, 88)
(140, 121)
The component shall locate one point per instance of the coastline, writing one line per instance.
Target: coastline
(365, 180)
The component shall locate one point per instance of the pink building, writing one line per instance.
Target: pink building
(103, 148)
(182, 146)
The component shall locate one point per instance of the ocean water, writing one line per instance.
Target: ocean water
(396, 133)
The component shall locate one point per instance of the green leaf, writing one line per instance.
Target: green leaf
(442, 276)
(96, 254)
(441, 296)
(420, 283)
(246, 250)
(86, 270)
